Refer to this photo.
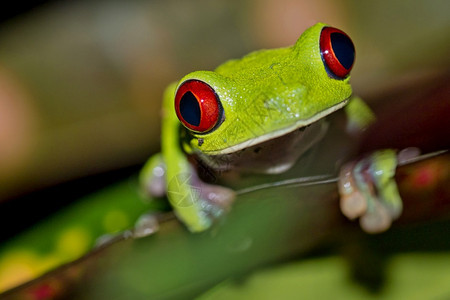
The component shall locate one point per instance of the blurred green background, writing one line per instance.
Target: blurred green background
(81, 82)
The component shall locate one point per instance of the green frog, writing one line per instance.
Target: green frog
(259, 114)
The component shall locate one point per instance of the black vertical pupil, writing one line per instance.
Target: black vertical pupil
(190, 109)
(343, 49)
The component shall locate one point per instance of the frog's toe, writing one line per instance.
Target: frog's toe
(377, 220)
(353, 206)
(352, 202)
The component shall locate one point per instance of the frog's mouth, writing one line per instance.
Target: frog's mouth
(272, 156)
(281, 132)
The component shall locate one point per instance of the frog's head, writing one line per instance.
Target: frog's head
(266, 94)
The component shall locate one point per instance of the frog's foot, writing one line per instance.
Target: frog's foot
(368, 190)
(196, 203)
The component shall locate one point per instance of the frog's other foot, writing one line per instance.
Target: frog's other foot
(368, 190)
(197, 203)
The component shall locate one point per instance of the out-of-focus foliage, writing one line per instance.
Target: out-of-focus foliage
(410, 276)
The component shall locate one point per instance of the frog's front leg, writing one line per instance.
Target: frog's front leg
(196, 203)
(367, 187)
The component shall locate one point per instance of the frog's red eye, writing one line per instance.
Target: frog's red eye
(338, 52)
(197, 106)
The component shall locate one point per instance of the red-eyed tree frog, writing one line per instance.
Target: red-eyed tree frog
(260, 113)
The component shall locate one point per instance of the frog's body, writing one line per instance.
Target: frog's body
(258, 113)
